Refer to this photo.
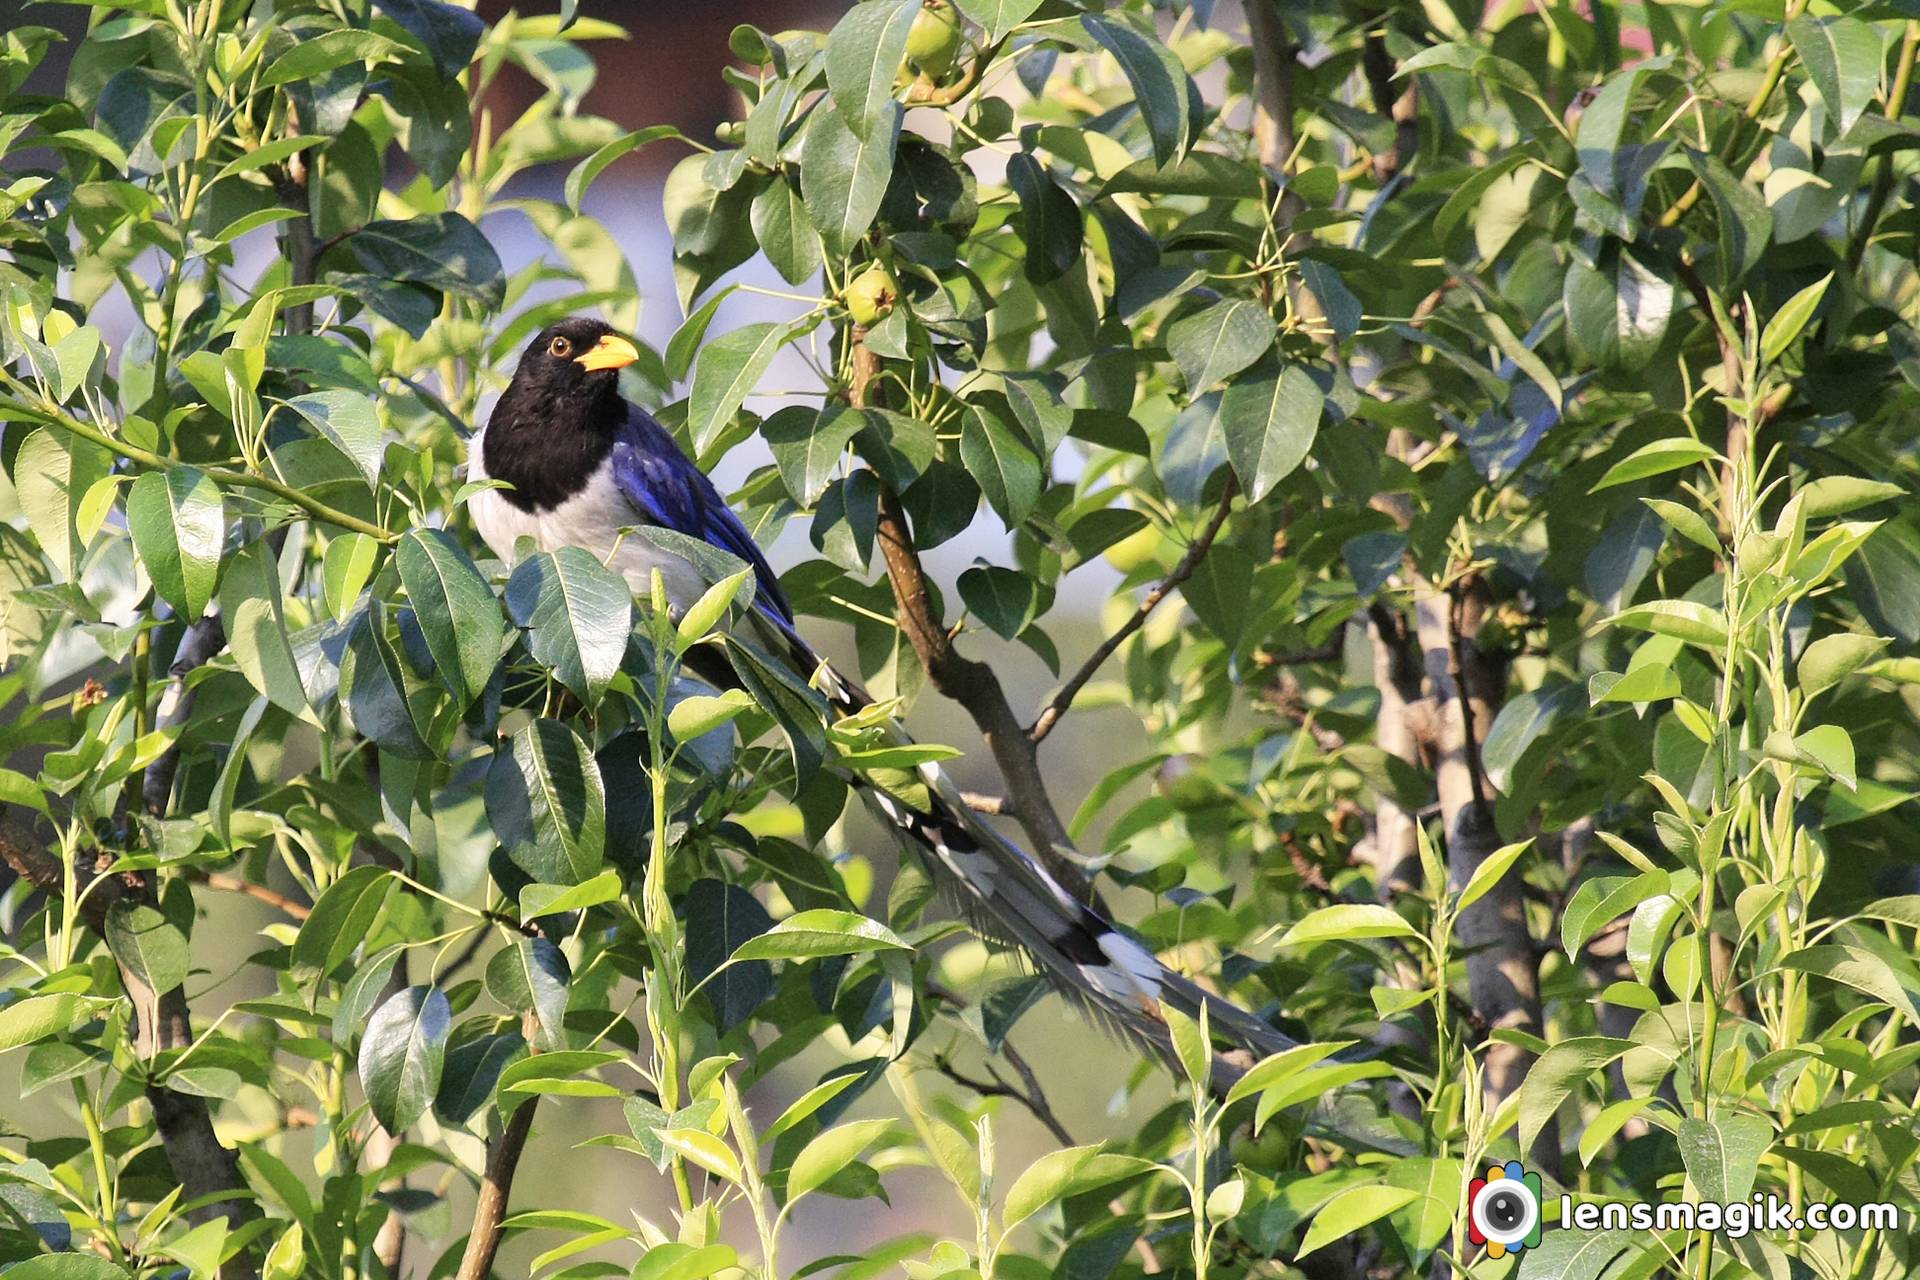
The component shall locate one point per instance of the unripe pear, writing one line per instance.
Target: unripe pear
(870, 295)
(934, 40)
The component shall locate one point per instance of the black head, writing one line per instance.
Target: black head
(555, 420)
(572, 367)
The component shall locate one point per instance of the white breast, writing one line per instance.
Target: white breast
(591, 520)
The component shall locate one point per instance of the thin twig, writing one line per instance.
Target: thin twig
(55, 416)
(1057, 706)
(290, 907)
(992, 806)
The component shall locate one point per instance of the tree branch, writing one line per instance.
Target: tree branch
(503, 1158)
(162, 1022)
(970, 683)
(199, 646)
(1196, 552)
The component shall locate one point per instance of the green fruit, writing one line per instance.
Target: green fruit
(934, 41)
(870, 295)
(1136, 549)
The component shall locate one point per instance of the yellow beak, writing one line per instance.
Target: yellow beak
(611, 352)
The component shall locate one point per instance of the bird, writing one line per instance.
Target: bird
(579, 465)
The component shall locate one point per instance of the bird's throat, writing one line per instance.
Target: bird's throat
(548, 450)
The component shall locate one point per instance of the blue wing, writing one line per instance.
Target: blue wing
(669, 491)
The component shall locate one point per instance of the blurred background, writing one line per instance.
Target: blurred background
(668, 72)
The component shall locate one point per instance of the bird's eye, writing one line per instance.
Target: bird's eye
(560, 347)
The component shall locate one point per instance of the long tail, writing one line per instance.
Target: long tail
(1008, 896)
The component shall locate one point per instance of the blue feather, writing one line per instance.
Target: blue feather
(667, 490)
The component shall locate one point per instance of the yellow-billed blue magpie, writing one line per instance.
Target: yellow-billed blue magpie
(584, 464)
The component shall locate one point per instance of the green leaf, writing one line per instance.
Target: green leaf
(251, 610)
(1346, 921)
(1860, 969)
(547, 804)
(51, 473)
(1350, 1211)
(311, 59)
(798, 710)
(830, 1152)
(701, 1148)
(864, 53)
(704, 614)
(147, 944)
(1831, 659)
(75, 358)
(1617, 310)
(1786, 323)
(38, 1017)
(346, 418)
(403, 1054)
(456, 609)
(1601, 900)
(1837, 495)
(530, 975)
(843, 176)
(1554, 1076)
(810, 1102)
(720, 918)
(1654, 459)
(1829, 747)
(66, 1266)
(440, 251)
(1842, 56)
(676, 1261)
(1004, 599)
(784, 232)
(809, 446)
(563, 1073)
(686, 340)
(345, 571)
(1191, 1046)
(341, 920)
(822, 931)
(1053, 1177)
(1269, 418)
(997, 17)
(1488, 873)
(472, 1074)
(577, 614)
(1649, 683)
(178, 520)
(1211, 346)
(449, 33)
(698, 715)
(1280, 1067)
(1744, 224)
(362, 992)
(1158, 79)
(1008, 472)
(1722, 1154)
(1685, 521)
(1685, 620)
(537, 900)
(581, 177)
(726, 373)
(374, 687)
(1050, 221)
